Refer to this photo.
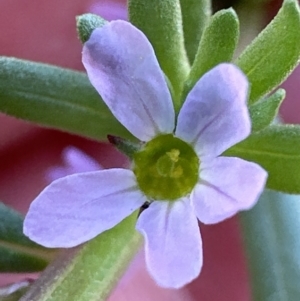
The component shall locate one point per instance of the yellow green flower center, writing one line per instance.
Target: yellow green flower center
(167, 168)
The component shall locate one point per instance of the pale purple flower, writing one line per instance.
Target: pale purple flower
(74, 161)
(122, 66)
(109, 10)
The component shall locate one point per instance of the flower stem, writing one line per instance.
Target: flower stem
(90, 271)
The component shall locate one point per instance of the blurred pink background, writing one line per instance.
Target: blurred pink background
(44, 31)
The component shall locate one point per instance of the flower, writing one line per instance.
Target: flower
(75, 161)
(109, 10)
(179, 169)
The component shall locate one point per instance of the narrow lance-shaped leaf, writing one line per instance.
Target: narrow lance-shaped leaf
(271, 233)
(161, 21)
(277, 149)
(90, 271)
(273, 55)
(17, 252)
(263, 112)
(55, 97)
(217, 45)
(195, 15)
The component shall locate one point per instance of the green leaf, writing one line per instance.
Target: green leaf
(55, 97)
(277, 149)
(271, 233)
(85, 25)
(264, 111)
(195, 15)
(273, 55)
(17, 252)
(217, 45)
(90, 271)
(161, 21)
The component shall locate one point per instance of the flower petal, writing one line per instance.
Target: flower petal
(75, 161)
(227, 186)
(122, 66)
(215, 115)
(173, 244)
(77, 208)
(79, 160)
(109, 10)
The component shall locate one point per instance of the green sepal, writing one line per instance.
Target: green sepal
(217, 45)
(90, 271)
(195, 15)
(55, 97)
(127, 147)
(277, 150)
(273, 55)
(17, 252)
(161, 22)
(85, 25)
(271, 234)
(263, 112)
